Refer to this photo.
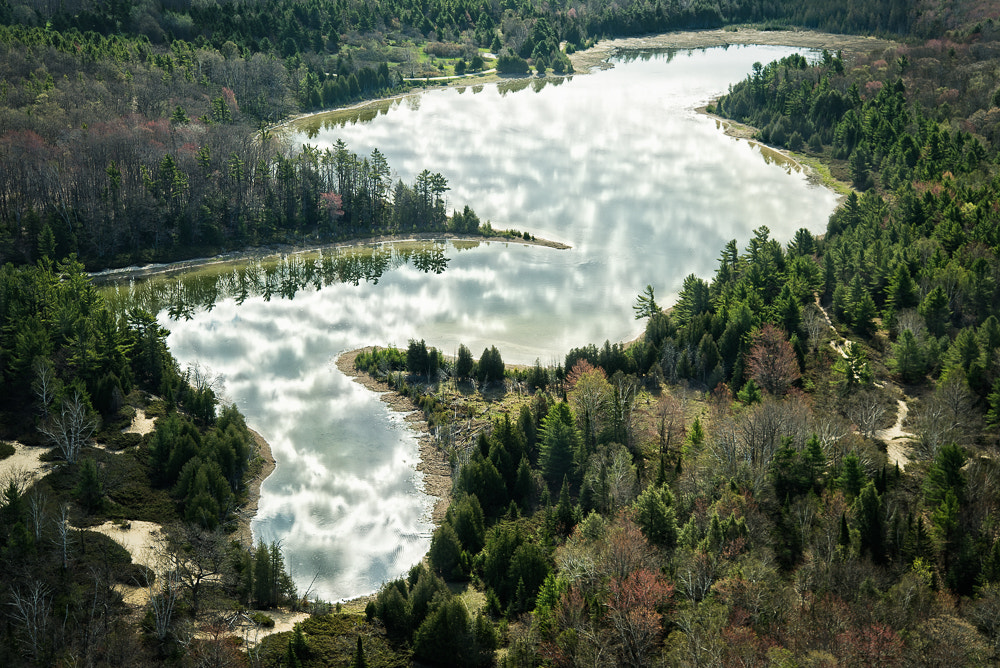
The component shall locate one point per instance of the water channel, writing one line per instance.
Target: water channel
(617, 164)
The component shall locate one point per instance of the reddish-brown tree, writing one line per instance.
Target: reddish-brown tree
(633, 603)
(772, 362)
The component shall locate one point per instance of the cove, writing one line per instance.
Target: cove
(616, 163)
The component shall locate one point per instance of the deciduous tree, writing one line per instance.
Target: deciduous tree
(772, 362)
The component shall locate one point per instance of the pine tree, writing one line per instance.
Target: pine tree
(359, 656)
(871, 526)
(90, 490)
(852, 476)
(564, 508)
(560, 441)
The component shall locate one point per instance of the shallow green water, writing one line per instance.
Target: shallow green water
(617, 164)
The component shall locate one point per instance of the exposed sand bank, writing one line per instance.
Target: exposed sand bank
(249, 509)
(433, 461)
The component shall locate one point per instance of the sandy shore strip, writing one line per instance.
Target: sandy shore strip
(433, 461)
(279, 250)
(249, 510)
(598, 55)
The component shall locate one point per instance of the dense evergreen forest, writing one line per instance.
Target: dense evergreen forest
(730, 490)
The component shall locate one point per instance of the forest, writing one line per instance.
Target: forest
(138, 132)
(729, 490)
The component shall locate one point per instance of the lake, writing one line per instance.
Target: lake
(617, 164)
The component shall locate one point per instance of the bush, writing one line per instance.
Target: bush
(120, 441)
(444, 49)
(6, 449)
(261, 619)
(512, 64)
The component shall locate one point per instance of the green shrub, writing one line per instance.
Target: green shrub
(261, 619)
(6, 449)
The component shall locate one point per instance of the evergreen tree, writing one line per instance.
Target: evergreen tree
(852, 476)
(654, 513)
(935, 310)
(464, 362)
(871, 526)
(90, 491)
(560, 441)
(359, 656)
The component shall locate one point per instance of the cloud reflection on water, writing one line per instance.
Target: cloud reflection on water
(614, 163)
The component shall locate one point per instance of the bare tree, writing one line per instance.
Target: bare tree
(38, 510)
(671, 421)
(866, 409)
(947, 416)
(197, 556)
(163, 597)
(31, 607)
(910, 320)
(744, 444)
(815, 324)
(772, 362)
(64, 534)
(803, 512)
(626, 389)
(71, 428)
(45, 385)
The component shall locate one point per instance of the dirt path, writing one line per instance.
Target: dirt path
(897, 442)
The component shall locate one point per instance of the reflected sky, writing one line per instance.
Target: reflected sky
(616, 164)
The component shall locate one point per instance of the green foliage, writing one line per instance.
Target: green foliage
(491, 367)
(560, 441)
(945, 476)
(654, 513)
(446, 552)
(272, 585)
(852, 476)
(870, 523)
(90, 491)
(645, 304)
(908, 358)
(464, 363)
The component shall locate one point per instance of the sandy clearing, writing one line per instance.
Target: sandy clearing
(283, 621)
(140, 538)
(25, 466)
(141, 424)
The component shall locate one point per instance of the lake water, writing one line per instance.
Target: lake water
(616, 164)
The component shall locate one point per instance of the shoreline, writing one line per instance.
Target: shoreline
(598, 55)
(738, 130)
(264, 252)
(584, 62)
(249, 509)
(433, 461)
